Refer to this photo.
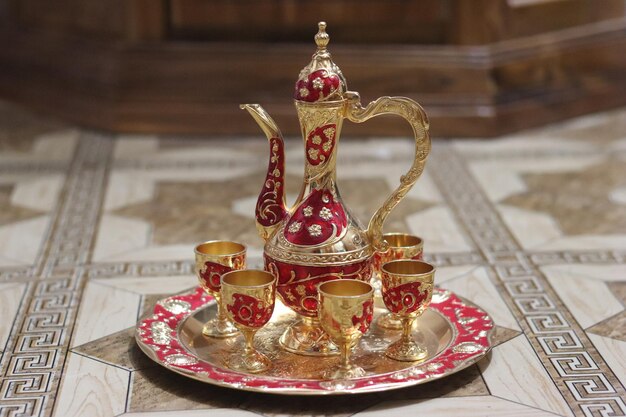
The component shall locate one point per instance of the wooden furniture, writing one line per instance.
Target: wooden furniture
(479, 67)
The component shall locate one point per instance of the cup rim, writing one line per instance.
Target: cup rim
(319, 288)
(419, 244)
(431, 272)
(243, 245)
(236, 271)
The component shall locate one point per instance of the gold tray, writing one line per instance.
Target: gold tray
(456, 332)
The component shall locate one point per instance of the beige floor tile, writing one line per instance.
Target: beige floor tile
(590, 301)
(156, 253)
(39, 193)
(502, 178)
(618, 195)
(614, 353)
(529, 384)
(531, 228)
(424, 189)
(202, 172)
(21, 241)
(58, 145)
(585, 243)
(213, 152)
(125, 189)
(10, 299)
(478, 288)
(619, 145)
(91, 389)
(104, 310)
(439, 230)
(517, 143)
(484, 406)
(607, 273)
(133, 146)
(117, 236)
(150, 285)
(448, 273)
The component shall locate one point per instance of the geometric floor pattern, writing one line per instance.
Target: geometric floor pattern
(95, 228)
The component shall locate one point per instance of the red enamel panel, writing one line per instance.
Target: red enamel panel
(270, 207)
(212, 274)
(316, 86)
(320, 144)
(316, 220)
(249, 311)
(364, 320)
(297, 284)
(406, 298)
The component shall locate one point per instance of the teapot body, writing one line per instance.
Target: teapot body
(318, 239)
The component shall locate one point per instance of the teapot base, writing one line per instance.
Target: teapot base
(306, 337)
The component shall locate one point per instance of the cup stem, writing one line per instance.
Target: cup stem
(220, 309)
(407, 326)
(249, 336)
(345, 355)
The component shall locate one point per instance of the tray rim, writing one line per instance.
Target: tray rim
(150, 352)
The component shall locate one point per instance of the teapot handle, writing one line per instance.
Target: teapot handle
(413, 113)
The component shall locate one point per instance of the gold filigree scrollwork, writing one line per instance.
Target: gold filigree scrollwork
(413, 113)
(316, 259)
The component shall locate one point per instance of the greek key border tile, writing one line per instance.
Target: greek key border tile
(580, 373)
(30, 369)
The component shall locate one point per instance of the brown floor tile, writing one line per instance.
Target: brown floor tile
(157, 389)
(613, 327)
(578, 201)
(502, 334)
(119, 349)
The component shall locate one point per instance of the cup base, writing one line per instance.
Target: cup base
(345, 373)
(389, 321)
(406, 351)
(307, 338)
(253, 363)
(219, 328)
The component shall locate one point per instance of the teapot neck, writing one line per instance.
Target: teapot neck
(321, 127)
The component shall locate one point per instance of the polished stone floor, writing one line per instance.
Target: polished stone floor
(95, 228)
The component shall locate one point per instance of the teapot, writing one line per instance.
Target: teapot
(318, 239)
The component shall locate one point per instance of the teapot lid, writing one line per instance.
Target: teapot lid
(322, 79)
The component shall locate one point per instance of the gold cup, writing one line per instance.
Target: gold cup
(213, 259)
(248, 299)
(401, 246)
(407, 287)
(345, 311)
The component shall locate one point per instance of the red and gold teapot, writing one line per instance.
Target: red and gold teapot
(318, 239)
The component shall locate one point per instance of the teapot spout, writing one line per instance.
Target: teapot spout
(270, 206)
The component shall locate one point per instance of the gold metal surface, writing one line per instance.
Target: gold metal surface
(413, 113)
(229, 254)
(306, 337)
(399, 274)
(436, 332)
(345, 312)
(259, 290)
(404, 241)
(318, 107)
(401, 246)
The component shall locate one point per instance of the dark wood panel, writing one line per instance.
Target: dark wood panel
(196, 87)
(103, 19)
(351, 21)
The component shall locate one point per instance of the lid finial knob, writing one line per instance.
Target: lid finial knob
(322, 38)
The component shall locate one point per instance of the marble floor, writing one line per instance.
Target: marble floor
(95, 228)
